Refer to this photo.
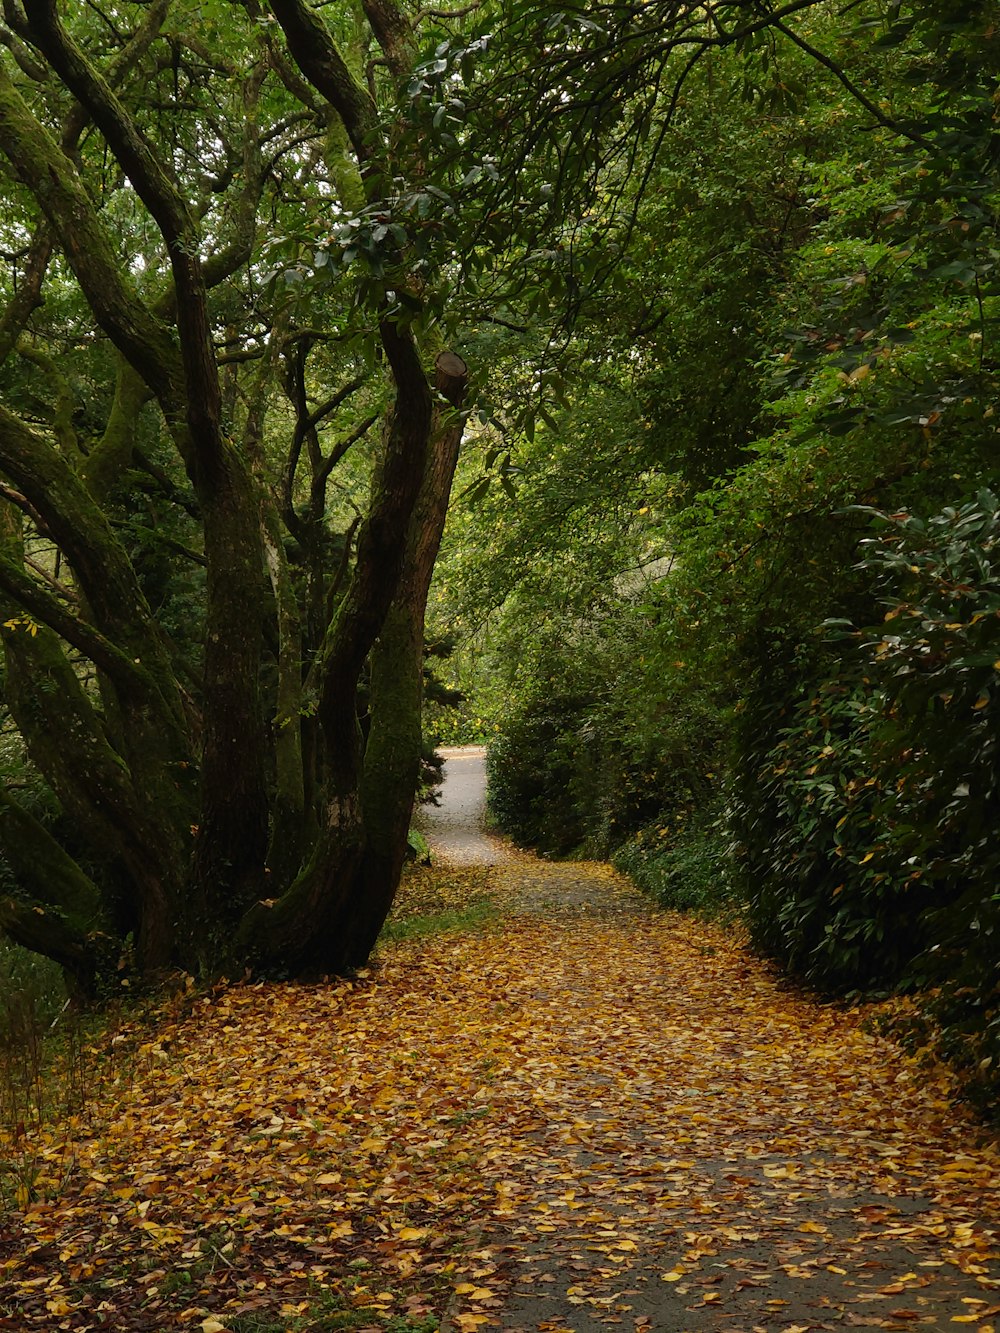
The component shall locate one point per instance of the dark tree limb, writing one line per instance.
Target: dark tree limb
(50, 176)
(28, 296)
(313, 49)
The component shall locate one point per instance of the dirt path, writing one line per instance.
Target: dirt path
(700, 1146)
(544, 1107)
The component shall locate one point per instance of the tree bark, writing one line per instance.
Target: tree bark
(231, 836)
(392, 754)
(57, 910)
(304, 930)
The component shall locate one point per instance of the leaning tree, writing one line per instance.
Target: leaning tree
(225, 459)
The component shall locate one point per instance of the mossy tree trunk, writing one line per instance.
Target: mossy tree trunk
(392, 755)
(228, 807)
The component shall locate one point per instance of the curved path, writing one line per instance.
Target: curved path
(701, 1148)
(455, 826)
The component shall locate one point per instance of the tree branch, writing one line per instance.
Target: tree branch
(340, 449)
(394, 34)
(886, 121)
(169, 210)
(52, 179)
(28, 296)
(47, 609)
(313, 49)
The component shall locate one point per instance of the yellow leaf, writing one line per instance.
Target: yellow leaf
(468, 1322)
(413, 1233)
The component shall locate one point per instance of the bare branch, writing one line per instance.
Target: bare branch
(340, 449)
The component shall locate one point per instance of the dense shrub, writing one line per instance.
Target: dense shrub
(29, 985)
(533, 768)
(937, 657)
(867, 822)
(826, 894)
(685, 865)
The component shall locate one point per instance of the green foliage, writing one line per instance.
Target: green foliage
(801, 329)
(534, 769)
(684, 865)
(417, 848)
(599, 737)
(823, 895)
(867, 819)
(31, 991)
(937, 658)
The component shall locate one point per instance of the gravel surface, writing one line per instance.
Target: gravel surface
(455, 827)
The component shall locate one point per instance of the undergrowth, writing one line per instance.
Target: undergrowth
(437, 923)
(56, 1061)
(682, 865)
(952, 1028)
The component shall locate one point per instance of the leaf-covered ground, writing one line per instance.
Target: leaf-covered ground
(566, 1113)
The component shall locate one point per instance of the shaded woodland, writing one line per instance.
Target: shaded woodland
(700, 303)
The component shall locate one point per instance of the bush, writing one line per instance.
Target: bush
(826, 894)
(28, 982)
(958, 1026)
(686, 866)
(937, 658)
(867, 814)
(534, 768)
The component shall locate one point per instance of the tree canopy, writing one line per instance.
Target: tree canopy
(727, 623)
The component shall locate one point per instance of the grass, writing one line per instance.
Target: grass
(437, 899)
(328, 1322)
(438, 923)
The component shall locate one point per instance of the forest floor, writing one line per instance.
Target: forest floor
(544, 1107)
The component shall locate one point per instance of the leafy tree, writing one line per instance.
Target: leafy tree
(192, 595)
(835, 288)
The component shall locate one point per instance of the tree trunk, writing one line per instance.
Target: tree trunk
(58, 910)
(305, 929)
(392, 754)
(66, 741)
